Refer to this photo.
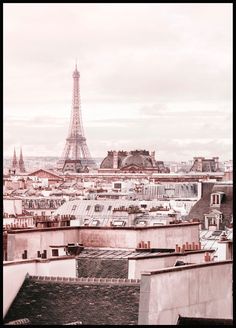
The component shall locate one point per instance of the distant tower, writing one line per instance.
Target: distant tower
(76, 152)
(14, 161)
(21, 162)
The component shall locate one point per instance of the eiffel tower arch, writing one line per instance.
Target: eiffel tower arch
(76, 156)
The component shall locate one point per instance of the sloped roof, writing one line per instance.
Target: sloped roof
(59, 302)
(49, 173)
(203, 205)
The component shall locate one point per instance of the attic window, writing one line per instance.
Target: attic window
(73, 207)
(143, 205)
(142, 222)
(109, 208)
(216, 198)
(98, 208)
(86, 222)
(88, 208)
(95, 223)
(118, 223)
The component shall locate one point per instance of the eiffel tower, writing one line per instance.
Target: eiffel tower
(76, 155)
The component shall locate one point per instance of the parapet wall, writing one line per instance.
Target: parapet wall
(17, 270)
(202, 290)
(160, 237)
(34, 240)
(161, 261)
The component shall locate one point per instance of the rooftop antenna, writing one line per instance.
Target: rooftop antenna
(76, 63)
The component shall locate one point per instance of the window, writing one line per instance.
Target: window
(98, 208)
(95, 223)
(109, 208)
(143, 205)
(118, 223)
(86, 221)
(142, 223)
(213, 221)
(215, 199)
(55, 252)
(73, 207)
(88, 208)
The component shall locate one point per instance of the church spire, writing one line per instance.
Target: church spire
(14, 160)
(21, 162)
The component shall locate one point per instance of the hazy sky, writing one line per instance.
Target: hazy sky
(152, 76)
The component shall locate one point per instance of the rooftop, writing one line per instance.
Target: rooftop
(94, 301)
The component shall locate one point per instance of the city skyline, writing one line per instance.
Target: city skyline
(155, 77)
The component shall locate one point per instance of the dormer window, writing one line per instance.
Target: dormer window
(98, 208)
(216, 198)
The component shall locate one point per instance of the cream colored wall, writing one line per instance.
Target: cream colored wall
(159, 237)
(14, 275)
(168, 237)
(137, 266)
(204, 291)
(38, 241)
(13, 278)
(117, 238)
(60, 268)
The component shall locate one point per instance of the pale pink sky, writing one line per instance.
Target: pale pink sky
(153, 76)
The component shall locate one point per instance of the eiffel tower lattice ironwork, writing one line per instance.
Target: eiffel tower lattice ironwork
(76, 149)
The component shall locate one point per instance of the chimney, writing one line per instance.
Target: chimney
(223, 236)
(207, 257)
(44, 255)
(177, 248)
(224, 249)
